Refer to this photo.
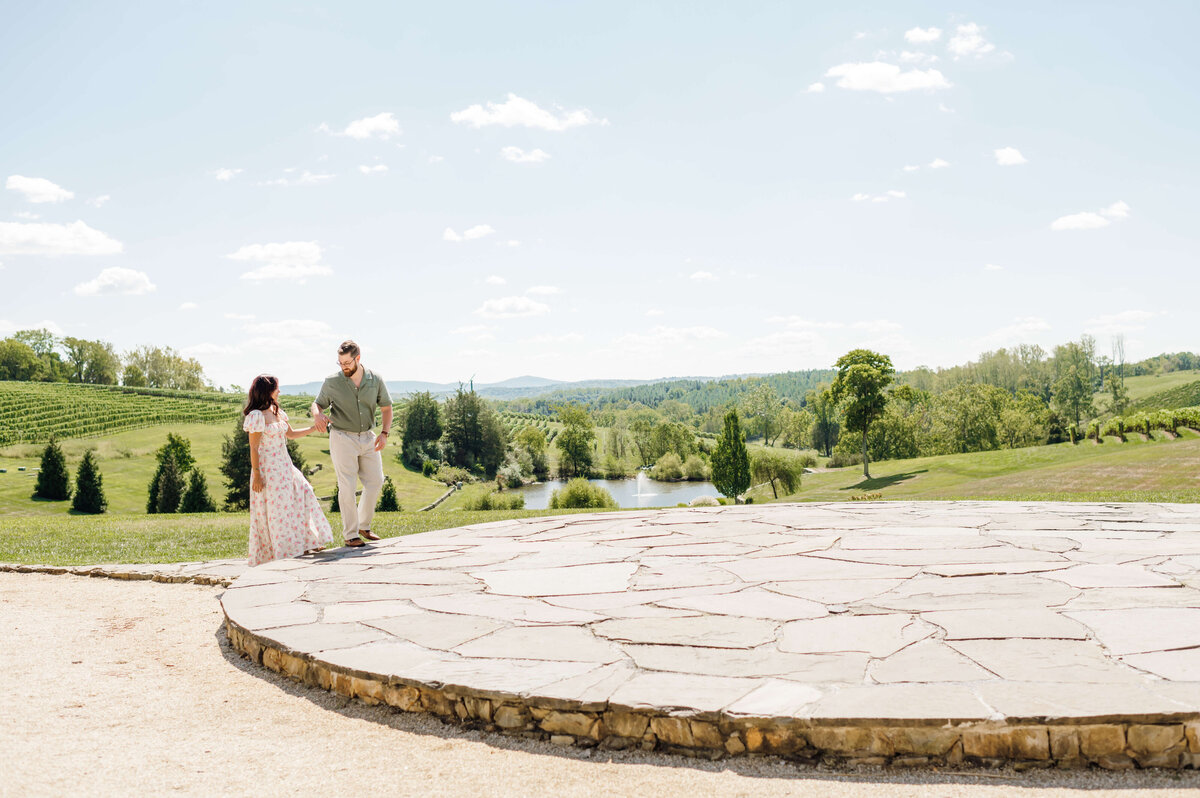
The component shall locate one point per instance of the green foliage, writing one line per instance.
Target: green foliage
(450, 475)
(170, 487)
(862, 377)
(575, 441)
(763, 405)
(387, 498)
(473, 434)
(730, 463)
(53, 481)
(163, 367)
(429, 468)
(695, 469)
(18, 361)
(89, 486)
(795, 428)
(496, 501)
(669, 468)
(422, 429)
(235, 466)
(196, 498)
(178, 448)
(671, 437)
(1180, 396)
(781, 469)
(843, 459)
(826, 427)
(581, 493)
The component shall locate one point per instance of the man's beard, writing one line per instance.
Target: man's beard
(349, 372)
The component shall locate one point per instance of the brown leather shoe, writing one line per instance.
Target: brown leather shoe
(368, 534)
(355, 543)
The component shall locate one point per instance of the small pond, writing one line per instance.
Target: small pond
(631, 493)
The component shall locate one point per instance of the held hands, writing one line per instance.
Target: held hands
(321, 422)
(381, 441)
(256, 482)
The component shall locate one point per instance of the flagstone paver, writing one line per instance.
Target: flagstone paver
(912, 632)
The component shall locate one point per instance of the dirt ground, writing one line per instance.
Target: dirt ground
(108, 687)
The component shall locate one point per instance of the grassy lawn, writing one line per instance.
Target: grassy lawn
(1148, 385)
(127, 463)
(87, 540)
(1156, 470)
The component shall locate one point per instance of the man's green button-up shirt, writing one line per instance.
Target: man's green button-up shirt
(351, 407)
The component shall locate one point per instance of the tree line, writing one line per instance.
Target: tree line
(41, 356)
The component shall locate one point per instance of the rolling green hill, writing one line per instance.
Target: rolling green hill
(1185, 395)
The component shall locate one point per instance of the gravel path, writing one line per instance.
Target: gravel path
(107, 686)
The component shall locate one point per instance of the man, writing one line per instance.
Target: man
(352, 396)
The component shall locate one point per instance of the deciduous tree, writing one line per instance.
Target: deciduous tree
(862, 377)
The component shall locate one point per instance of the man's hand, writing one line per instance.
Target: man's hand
(321, 421)
(381, 441)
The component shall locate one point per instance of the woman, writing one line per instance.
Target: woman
(285, 517)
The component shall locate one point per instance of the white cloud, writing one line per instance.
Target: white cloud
(1122, 322)
(286, 260)
(511, 307)
(944, 109)
(661, 336)
(909, 57)
(871, 326)
(495, 279)
(240, 316)
(478, 231)
(225, 175)
(518, 155)
(1009, 156)
(117, 280)
(922, 35)
(1118, 210)
(380, 126)
(885, 78)
(38, 189)
(209, 349)
(512, 243)
(8, 328)
(1089, 220)
(1023, 329)
(188, 306)
(97, 202)
(544, 290)
(702, 276)
(992, 267)
(306, 178)
(938, 163)
(885, 197)
(815, 88)
(289, 330)
(436, 159)
(41, 238)
(550, 339)
(378, 168)
(907, 168)
(654, 312)
(476, 332)
(518, 112)
(968, 40)
(26, 215)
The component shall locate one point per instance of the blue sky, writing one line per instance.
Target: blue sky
(588, 190)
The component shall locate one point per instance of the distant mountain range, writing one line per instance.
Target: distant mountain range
(513, 388)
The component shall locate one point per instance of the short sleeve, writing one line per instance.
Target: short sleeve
(254, 422)
(282, 415)
(322, 401)
(383, 399)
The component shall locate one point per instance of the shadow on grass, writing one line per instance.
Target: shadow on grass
(876, 483)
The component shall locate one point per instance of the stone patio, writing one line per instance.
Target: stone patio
(908, 633)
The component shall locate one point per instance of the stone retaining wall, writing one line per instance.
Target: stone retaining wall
(1066, 744)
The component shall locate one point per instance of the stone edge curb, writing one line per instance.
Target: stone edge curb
(1068, 743)
(118, 572)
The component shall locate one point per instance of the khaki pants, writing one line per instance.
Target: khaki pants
(354, 458)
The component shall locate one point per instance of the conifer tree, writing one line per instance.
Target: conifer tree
(53, 481)
(730, 463)
(89, 487)
(170, 487)
(334, 507)
(196, 498)
(387, 497)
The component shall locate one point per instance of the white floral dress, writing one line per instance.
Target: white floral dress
(285, 517)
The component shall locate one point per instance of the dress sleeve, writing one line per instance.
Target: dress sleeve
(254, 422)
(283, 416)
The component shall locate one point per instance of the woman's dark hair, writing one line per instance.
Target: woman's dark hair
(260, 395)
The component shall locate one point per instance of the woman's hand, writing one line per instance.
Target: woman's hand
(256, 481)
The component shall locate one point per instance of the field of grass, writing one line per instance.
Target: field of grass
(88, 540)
(127, 464)
(1184, 395)
(1160, 469)
(1148, 386)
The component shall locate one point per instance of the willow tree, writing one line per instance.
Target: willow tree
(861, 381)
